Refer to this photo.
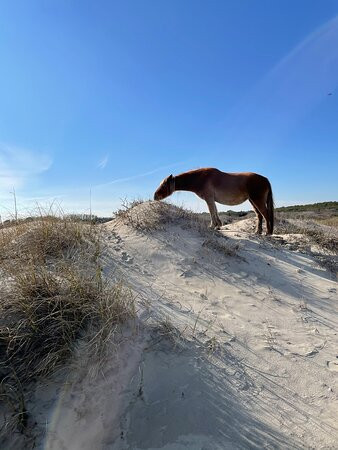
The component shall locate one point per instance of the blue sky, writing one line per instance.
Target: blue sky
(112, 96)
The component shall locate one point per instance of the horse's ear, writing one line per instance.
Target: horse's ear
(170, 177)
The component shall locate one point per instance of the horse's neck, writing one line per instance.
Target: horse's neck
(184, 182)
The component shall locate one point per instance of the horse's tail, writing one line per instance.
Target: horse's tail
(270, 208)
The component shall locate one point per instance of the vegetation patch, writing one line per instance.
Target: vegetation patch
(222, 245)
(317, 207)
(52, 293)
(330, 221)
(330, 263)
(165, 329)
(149, 216)
(323, 237)
(44, 238)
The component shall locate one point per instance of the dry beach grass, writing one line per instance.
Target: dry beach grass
(150, 216)
(52, 293)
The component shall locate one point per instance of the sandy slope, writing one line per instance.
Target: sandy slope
(246, 358)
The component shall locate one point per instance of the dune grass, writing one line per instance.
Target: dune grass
(52, 294)
(324, 237)
(148, 216)
(330, 221)
(319, 234)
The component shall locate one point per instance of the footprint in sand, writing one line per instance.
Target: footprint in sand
(117, 238)
(187, 274)
(127, 258)
(332, 365)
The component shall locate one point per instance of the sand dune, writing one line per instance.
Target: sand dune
(235, 346)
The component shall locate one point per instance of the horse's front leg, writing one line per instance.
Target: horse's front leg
(215, 220)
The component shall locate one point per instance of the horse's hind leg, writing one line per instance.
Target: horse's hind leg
(259, 228)
(260, 204)
(215, 220)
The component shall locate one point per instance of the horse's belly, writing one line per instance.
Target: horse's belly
(230, 199)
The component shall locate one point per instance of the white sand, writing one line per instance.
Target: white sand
(256, 366)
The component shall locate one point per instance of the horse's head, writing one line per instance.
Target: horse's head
(165, 189)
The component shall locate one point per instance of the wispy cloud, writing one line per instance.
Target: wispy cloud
(19, 165)
(289, 92)
(140, 175)
(103, 162)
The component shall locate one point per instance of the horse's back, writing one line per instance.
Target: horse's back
(235, 188)
(242, 182)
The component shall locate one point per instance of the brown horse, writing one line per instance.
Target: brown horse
(212, 185)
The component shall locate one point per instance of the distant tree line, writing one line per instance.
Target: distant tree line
(333, 206)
